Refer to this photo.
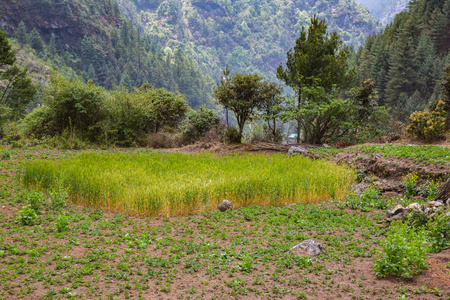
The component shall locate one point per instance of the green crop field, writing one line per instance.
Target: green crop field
(165, 184)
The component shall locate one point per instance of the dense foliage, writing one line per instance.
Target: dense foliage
(91, 113)
(250, 36)
(407, 61)
(96, 40)
(317, 69)
(244, 94)
(16, 89)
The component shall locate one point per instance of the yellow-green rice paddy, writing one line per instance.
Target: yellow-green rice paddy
(166, 184)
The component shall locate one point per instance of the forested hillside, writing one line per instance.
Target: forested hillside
(385, 10)
(250, 36)
(94, 39)
(407, 61)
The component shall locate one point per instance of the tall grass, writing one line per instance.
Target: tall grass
(164, 184)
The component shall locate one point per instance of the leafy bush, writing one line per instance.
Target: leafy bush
(439, 232)
(36, 122)
(198, 122)
(27, 216)
(134, 114)
(428, 126)
(74, 104)
(404, 252)
(231, 136)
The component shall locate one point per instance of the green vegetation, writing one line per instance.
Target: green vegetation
(407, 60)
(75, 112)
(90, 253)
(250, 36)
(99, 43)
(16, 89)
(159, 184)
(317, 69)
(428, 126)
(404, 252)
(244, 94)
(419, 153)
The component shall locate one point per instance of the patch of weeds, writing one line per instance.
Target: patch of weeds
(367, 200)
(58, 196)
(62, 223)
(35, 200)
(410, 181)
(403, 252)
(27, 216)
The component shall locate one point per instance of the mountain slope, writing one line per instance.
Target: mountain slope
(408, 59)
(385, 10)
(250, 36)
(95, 39)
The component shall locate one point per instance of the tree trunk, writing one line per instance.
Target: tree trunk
(444, 191)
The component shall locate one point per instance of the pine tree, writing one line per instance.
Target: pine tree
(35, 41)
(21, 33)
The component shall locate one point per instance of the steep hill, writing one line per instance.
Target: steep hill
(385, 10)
(408, 59)
(95, 39)
(250, 36)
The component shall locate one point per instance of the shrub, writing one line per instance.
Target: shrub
(404, 252)
(439, 232)
(27, 216)
(74, 104)
(36, 122)
(134, 114)
(198, 122)
(428, 126)
(231, 136)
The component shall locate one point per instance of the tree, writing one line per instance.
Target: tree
(21, 33)
(35, 41)
(242, 94)
(16, 89)
(272, 108)
(318, 58)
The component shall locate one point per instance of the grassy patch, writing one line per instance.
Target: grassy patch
(427, 154)
(162, 184)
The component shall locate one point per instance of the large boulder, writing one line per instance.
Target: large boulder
(308, 248)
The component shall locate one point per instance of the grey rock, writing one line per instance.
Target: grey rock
(225, 205)
(298, 150)
(308, 248)
(326, 146)
(398, 210)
